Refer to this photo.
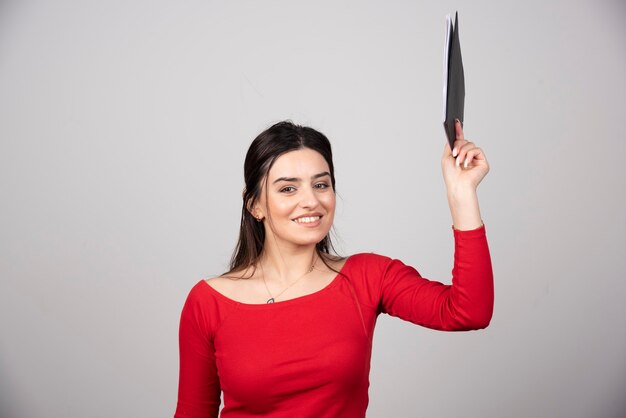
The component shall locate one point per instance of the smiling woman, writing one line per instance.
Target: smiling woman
(287, 331)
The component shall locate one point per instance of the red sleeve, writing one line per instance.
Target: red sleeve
(198, 385)
(467, 304)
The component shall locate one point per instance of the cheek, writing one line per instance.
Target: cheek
(279, 206)
(329, 201)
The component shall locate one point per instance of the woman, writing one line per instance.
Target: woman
(287, 332)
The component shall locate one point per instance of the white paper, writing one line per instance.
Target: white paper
(446, 54)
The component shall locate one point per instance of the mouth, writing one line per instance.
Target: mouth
(307, 219)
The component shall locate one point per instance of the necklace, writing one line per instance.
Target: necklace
(272, 299)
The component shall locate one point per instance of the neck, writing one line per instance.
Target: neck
(282, 265)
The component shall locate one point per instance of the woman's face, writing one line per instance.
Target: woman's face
(298, 201)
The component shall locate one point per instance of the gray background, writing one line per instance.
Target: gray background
(123, 128)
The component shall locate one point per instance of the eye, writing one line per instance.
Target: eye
(288, 189)
(322, 185)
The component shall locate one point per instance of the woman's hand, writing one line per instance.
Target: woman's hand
(462, 176)
(468, 169)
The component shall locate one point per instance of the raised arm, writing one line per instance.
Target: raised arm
(468, 303)
(465, 305)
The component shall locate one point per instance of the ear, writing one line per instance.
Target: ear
(256, 211)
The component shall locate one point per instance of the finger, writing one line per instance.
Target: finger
(472, 155)
(463, 150)
(458, 144)
(447, 152)
(458, 127)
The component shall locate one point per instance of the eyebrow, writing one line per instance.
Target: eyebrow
(296, 179)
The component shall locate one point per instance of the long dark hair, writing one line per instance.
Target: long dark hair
(275, 141)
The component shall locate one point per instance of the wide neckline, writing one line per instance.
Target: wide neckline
(280, 302)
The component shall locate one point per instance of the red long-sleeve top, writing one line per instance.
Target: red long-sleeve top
(310, 356)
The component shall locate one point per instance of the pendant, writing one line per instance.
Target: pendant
(270, 300)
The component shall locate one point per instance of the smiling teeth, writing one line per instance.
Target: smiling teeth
(307, 219)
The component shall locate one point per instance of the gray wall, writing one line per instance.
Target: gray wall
(123, 127)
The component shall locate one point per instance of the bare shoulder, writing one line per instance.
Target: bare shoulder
(230, 284)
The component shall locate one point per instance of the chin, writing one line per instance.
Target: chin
(312, 241)
(307, 239)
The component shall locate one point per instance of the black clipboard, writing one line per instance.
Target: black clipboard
(453, 81)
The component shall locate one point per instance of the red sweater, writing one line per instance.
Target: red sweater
(310, 356)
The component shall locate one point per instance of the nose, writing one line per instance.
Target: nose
(308, 198)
